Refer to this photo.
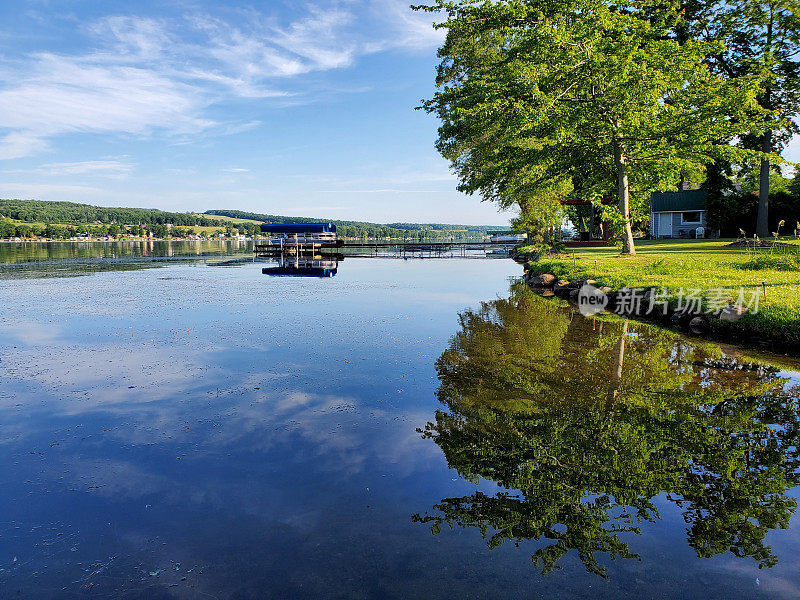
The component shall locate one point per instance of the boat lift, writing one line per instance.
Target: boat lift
(294, 237)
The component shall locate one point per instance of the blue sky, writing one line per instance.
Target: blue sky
(298, 108)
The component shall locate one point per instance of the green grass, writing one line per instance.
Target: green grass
(784, 261)
(232, 220)
(199, 229)
(705, 265)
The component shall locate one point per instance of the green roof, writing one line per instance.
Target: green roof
(678, 201)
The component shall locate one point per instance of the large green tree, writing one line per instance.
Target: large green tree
(533, 91)
(761, 39)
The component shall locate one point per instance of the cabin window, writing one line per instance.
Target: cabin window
(691, 217)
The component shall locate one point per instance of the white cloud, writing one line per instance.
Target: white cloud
(67, 94)
(145, 76)
(410, 29)
(266, 50)
(107, 168)
(319, 39)
(134, 36)
(236, 170)
(18, 144)
(75, 193)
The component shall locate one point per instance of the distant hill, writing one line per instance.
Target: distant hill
(348, 228)
(45, 212)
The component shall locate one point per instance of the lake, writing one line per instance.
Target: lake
(179, 420)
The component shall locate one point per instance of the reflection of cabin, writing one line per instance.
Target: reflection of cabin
(678, 214)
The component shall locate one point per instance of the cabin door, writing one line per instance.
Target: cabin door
(664, 224)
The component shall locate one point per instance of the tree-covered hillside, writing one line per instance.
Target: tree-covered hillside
(59, 220)
(43, 211)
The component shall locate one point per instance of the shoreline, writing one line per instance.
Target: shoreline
(732, 326)
(102, 240)
(173, 239)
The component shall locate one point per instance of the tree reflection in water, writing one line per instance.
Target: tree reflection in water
(585, 422)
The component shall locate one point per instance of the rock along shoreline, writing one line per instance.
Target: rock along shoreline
(731, 325)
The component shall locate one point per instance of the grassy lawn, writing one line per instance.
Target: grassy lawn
(200, 230)
(232, 220)
(705, 265)
(31, 223)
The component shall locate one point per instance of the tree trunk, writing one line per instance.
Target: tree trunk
(623, 191)
(762, 223)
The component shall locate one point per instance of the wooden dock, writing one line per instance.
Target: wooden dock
(407, 246)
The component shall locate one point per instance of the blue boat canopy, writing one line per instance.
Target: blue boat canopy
(298, 228)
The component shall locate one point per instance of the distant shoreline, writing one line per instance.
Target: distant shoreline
(154, 239)
(96, 240)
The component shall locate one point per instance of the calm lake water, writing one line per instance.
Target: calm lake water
(177, 423)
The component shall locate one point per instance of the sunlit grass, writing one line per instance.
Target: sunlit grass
(699, 264)
(231, 220)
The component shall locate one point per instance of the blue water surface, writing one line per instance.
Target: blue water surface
(197, 430)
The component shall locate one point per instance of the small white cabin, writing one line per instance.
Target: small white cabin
(678, 214)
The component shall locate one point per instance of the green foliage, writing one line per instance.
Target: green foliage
(734, 212)
(748, 179)
(583, 424)
(757, 38)
(70, 212)
(542, 224)
(793, 187)
(7, 228)
(533, 93)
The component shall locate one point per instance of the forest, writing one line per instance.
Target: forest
(30, 219)
(72, 213)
